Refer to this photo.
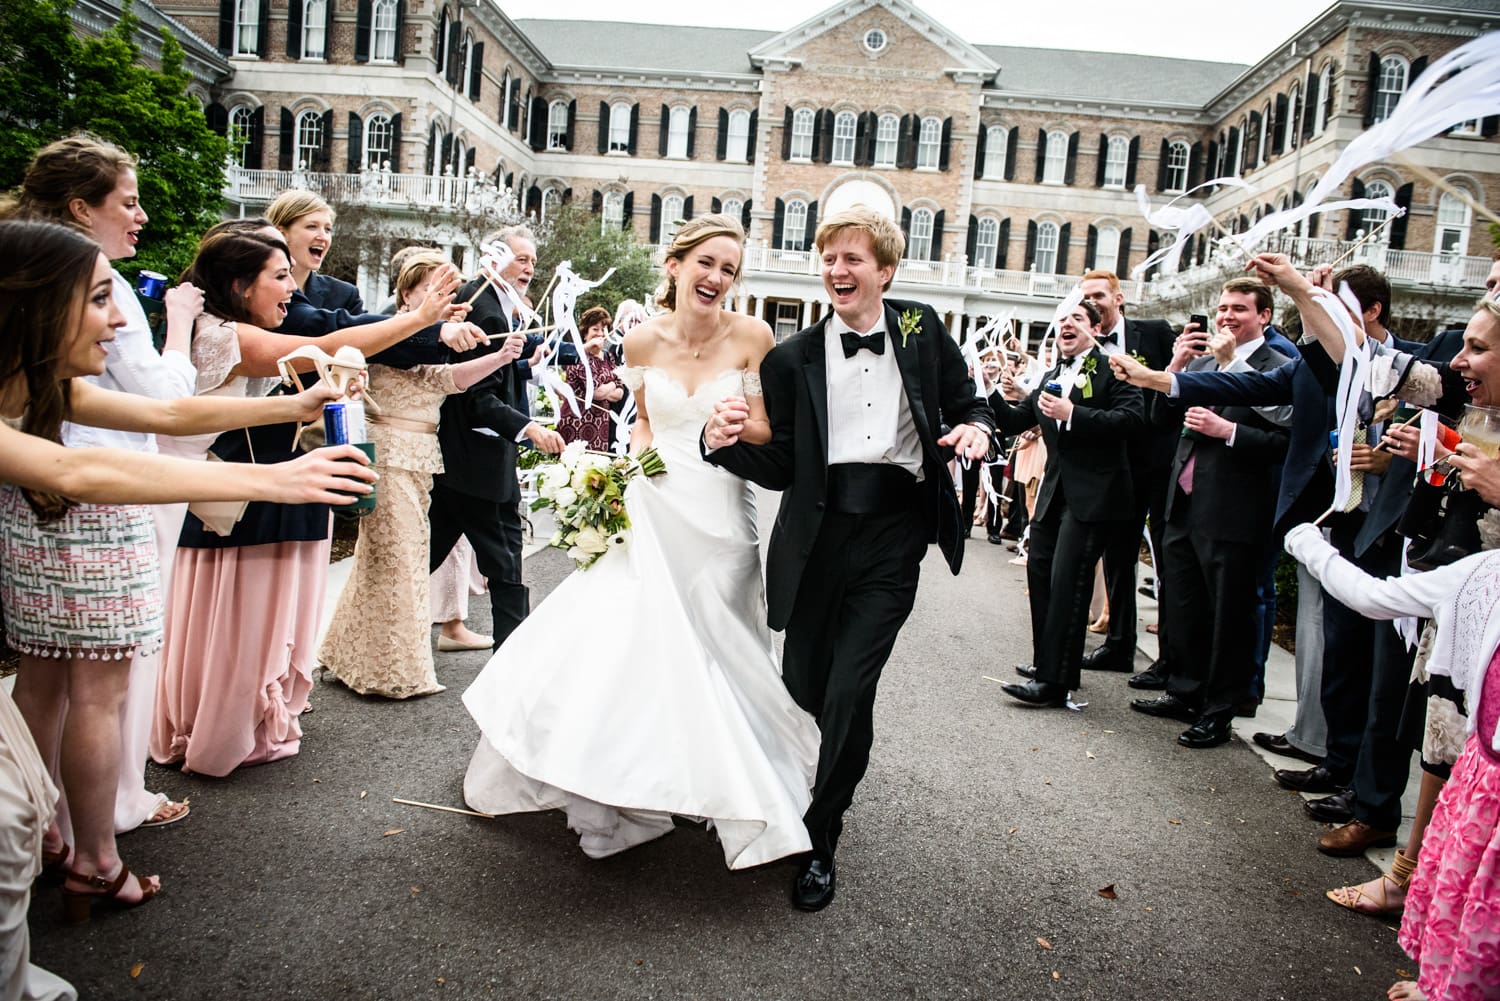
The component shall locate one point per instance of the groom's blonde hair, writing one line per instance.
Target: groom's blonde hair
(886, 238)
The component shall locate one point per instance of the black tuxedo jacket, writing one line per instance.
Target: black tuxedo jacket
(1152, 449)
(1088, 465)
(794, 376)
(474, 463)
(330, 293)
(1234, 488)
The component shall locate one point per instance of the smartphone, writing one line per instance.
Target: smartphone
(1202, 322)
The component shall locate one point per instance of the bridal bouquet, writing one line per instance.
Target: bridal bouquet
(586, 491)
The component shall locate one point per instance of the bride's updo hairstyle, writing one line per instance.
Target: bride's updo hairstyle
(689, 235)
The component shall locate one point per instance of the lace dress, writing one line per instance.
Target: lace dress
(380, 639)
(679, 707)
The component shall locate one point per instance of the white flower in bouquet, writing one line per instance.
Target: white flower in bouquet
(572, 453)
(591, 541)
(566, 497)
(550, 480)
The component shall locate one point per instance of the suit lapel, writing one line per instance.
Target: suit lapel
(815, 371)
(909, 361)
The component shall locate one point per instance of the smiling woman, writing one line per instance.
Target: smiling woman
(306, 224)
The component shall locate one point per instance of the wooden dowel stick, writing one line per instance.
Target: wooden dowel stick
(1389, 218)
(444, 809)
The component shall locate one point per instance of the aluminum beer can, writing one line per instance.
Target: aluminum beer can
(151, 284)
(336, 423)
(1054, 387)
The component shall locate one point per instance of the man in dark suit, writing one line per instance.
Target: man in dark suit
(1218, 525)
(477, 494)
(1087, 418)
(1151, 450)
(858, 405)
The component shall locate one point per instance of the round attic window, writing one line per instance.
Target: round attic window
(875, 40)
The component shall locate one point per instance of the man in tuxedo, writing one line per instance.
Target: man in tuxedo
(1151, 450)
(858, 405)
(477, 494)
(1087, 419)
(1218, 525)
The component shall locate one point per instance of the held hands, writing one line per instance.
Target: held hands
(1480, 472)
(544, 438)
(323, 476)
(1059, 408)
(461, 337)
(608, 392)
(1206, 422)
(515, 343)
(184, 302)
(726, 423)
(969, 441)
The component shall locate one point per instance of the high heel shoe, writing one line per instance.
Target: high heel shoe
(78, 905)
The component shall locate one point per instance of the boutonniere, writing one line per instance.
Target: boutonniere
(911, 323)
(1085, 380)
(1140, 358)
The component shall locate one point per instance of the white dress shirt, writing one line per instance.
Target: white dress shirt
(1117, 345)
(869, 419)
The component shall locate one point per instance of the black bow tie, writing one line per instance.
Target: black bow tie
(1109, 338)
(853, 342)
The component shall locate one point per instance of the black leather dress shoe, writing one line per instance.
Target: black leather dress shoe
(1152, 678)
(1314, 779)
(813, 889)
(1026, 670)
(1038, 693)
(1167, 706)
(1208, 731)
(1335, 809)
(1105, 659)
(996, 540)
(1277, 743)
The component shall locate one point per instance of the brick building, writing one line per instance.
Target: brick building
(1010, 169)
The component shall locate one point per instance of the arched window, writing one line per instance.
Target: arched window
(435, 150)
(919, 240)
(468, 74)
(442, 42)
(1116, 155)
(734, 208)
(843, 138)
(1237, 165)
(557, 125)
(377, 140)
(619, 128)
(886, 131)
(929, 143)
(309, 139)
(241, 129)
(1045, 261)
(738, 146)
(671, 217)
(1453, 220)
(677, 132)
(1371, 219)
(1107, 249)
(383, 39)
(314, 28)
(986, 242)
(247, 27)
(460, 157)
(1177, 166)
(505, 86)
(1325, 99)
(1265, 135)
(613, 215)
(551, 199)
(995, 138)
(802, 134)
(1393, 71)
(1055, 167)
(1294, 113)
(794, 225)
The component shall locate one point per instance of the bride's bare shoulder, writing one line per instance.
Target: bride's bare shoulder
(753, 337)
(642, 341)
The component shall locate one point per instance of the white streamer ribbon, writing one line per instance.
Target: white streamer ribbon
(1354, 375)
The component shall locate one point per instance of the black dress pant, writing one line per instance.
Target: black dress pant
(855, 594)
(1060, 578)
(1209, 609)
(494, 530)
(1384, 762)
(1121, 554)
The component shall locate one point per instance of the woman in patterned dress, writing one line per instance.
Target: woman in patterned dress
(593, 424)
(379, 641)
(79, 584)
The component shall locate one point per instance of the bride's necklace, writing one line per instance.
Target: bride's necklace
(688, 343)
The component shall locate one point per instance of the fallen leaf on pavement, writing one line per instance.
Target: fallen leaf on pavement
(1013, 830)
(1108, 893)
(416, 889)
(1177, 822)
(1044, 943)
(1056, 975)
(363, 793)
(1359, 971)
(135, 970)
(1092, 756)
(1402, 974)
(393, 830)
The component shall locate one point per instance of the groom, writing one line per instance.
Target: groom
(860, 404)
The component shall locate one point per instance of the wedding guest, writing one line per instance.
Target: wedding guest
(450, 586)
(306, 224)
(592, 424)
(243, 619)
(75, 629)
(86, 182)
(379, 640)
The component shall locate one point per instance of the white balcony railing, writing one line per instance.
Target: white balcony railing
(371, 187)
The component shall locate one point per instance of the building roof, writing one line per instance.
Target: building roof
(1109, 76)
(632, 45)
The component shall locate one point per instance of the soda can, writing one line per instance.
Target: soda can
(151, 284)
(335, 423)
(1054, 387)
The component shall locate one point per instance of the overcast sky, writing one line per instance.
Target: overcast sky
(1186, 28)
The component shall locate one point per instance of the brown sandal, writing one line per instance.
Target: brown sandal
(78, 905)
(55, 864)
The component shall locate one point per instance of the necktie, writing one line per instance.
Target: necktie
(854, 342)
(1185, 478)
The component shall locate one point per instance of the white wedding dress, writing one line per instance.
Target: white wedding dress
(647, 685)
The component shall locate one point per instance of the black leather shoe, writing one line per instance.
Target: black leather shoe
(1152, 678)
(1277, 743)
(813, 889)
(996, 540)
(1167, 706)
(1026, 670)
(1105, 659)
(1038, 693)
(1247, 708)
(1208, 731)
(1314, 779)
(1335, 809)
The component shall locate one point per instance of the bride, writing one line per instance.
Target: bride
(678, 706)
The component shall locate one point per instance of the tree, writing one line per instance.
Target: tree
(53, 84)
(572, 233)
